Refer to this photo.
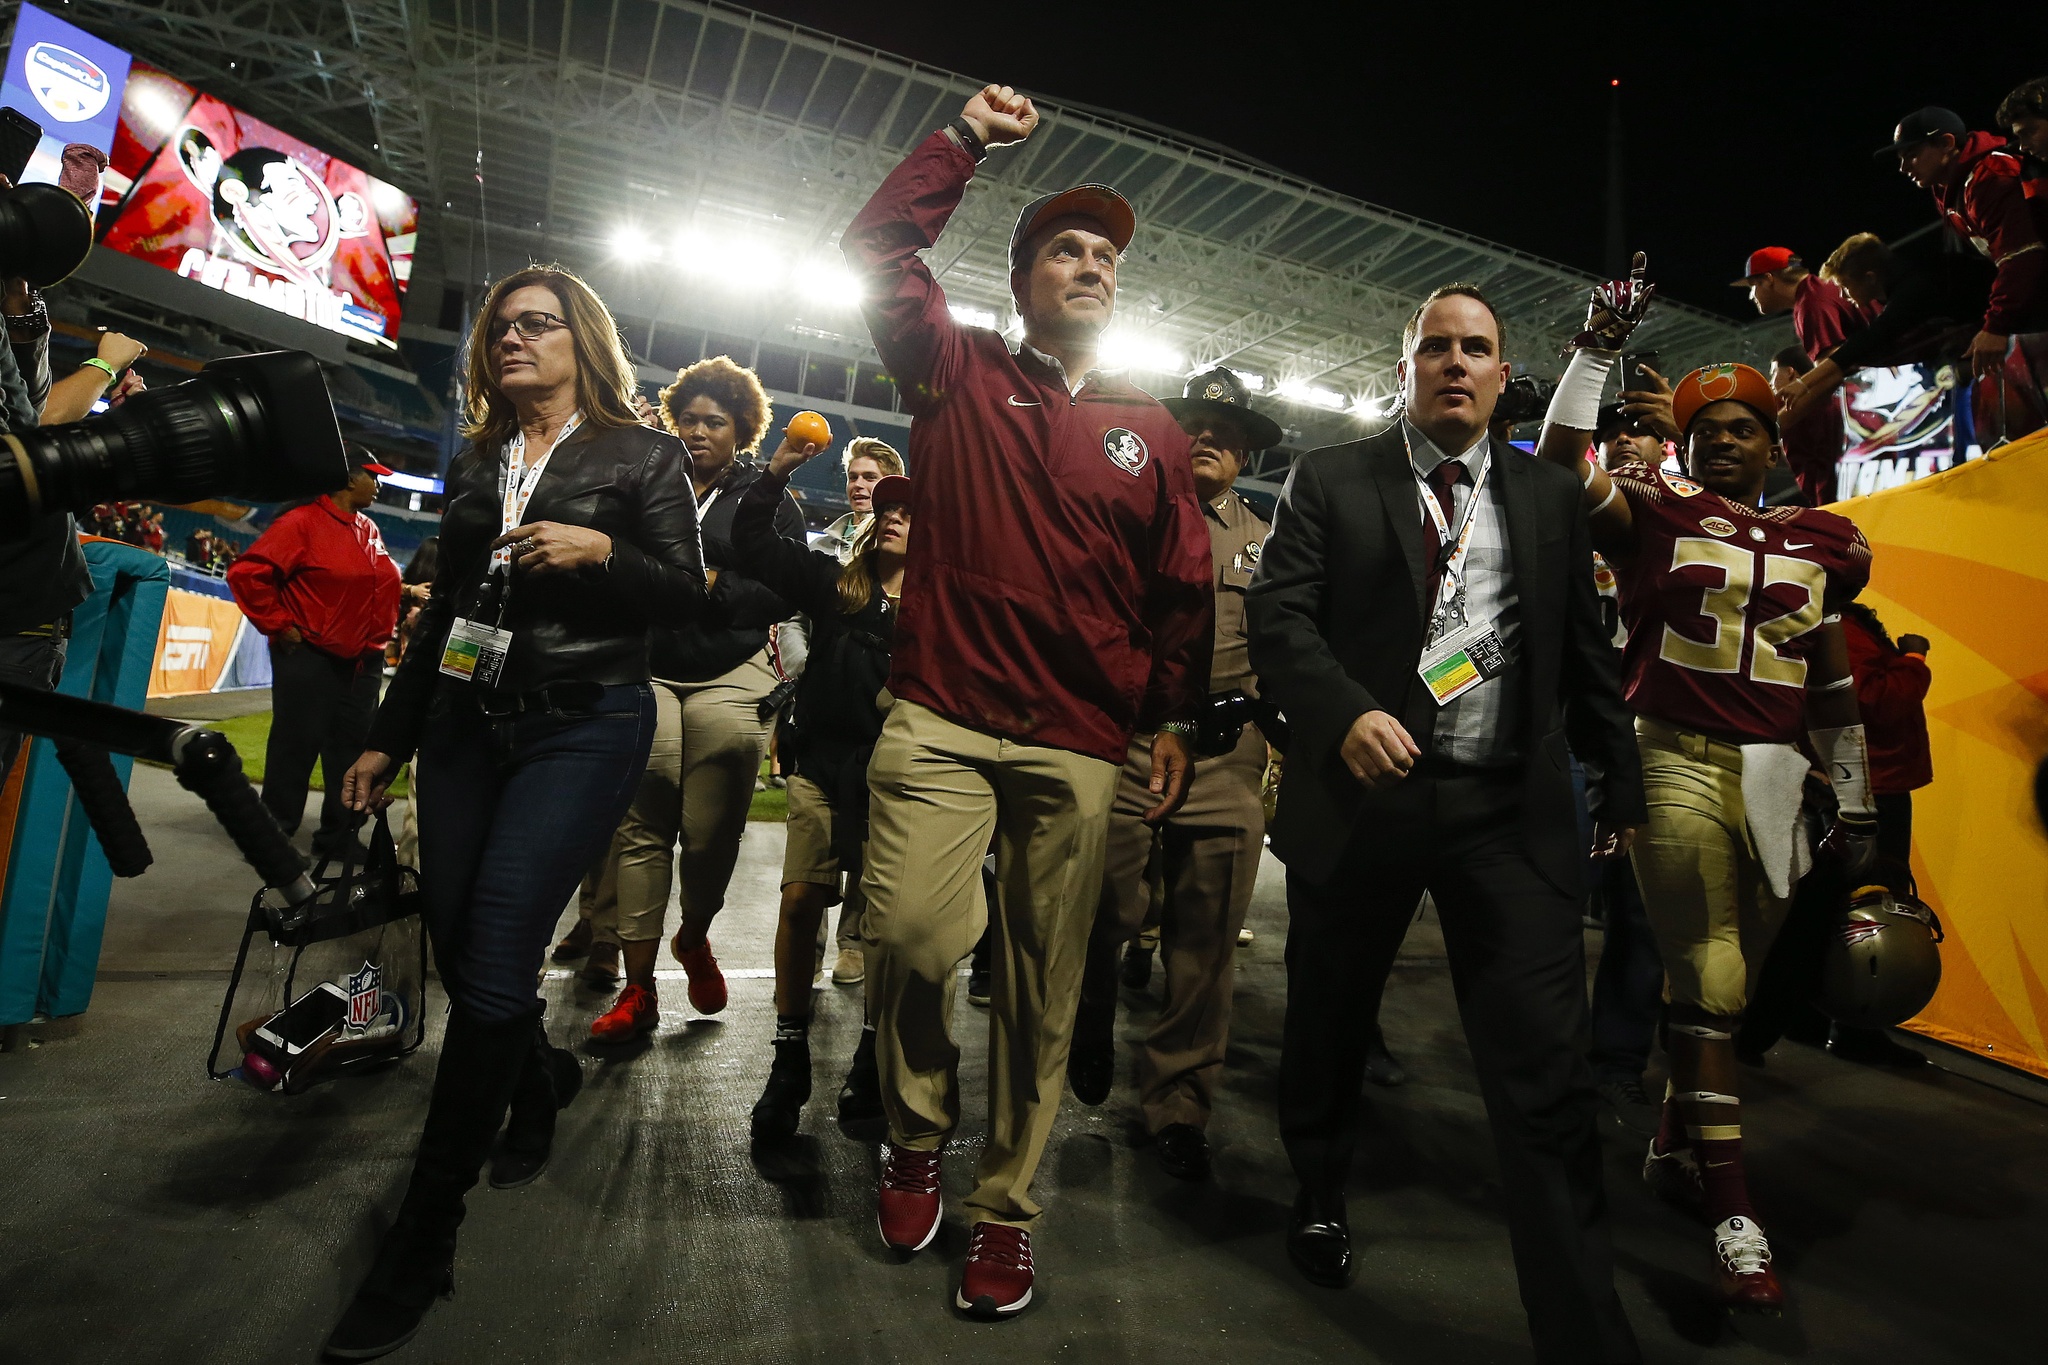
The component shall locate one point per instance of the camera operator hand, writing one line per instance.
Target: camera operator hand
(130, 385)
(1000, 116)
(368, 784)
(554, 547)
(120, 351)
(791, 456)
(1651, 408)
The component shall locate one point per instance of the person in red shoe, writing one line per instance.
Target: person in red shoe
(1057, 600)
(684, 830)
(1734, 649)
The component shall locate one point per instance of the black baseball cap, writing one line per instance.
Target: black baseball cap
(1923, 124)
(1220, 393)
(1099, 202)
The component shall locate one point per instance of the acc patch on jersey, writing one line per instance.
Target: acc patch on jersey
(1718, 526)
(1679, 484)
(1126, 449)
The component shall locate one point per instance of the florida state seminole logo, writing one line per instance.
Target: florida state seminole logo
(1126, 449)
(273, 209)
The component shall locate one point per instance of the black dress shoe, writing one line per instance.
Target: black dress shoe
(860, 1097)
(1091, 1069)
(1381, 1068)
(1137, 968)
(1319, 1243)
(1183, 1151)
(1872, 1047)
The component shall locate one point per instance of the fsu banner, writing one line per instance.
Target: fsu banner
(1962, 558)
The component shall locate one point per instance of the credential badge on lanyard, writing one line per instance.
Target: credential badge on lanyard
(1458, 655)
(477, 649)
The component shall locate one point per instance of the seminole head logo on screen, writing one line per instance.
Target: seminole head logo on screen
(271, 207)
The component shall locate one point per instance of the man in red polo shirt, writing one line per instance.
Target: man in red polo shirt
(1056, 601)
(320, 586)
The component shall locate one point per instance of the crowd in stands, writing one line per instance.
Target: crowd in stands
(132, 522)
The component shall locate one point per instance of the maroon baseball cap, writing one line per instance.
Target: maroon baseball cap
(1099, 202)
(891, 491)
(1766, 260)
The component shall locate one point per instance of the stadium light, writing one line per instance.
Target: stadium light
(1121, 350)
(969, 316)
(1254, 382)
(1314, 396)
(633, 246)
(828, 283)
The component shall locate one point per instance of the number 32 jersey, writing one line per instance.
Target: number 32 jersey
(1723, 605)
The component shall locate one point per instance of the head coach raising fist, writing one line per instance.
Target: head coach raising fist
(1057, 599)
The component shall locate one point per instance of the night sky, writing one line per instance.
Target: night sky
(1732, 141)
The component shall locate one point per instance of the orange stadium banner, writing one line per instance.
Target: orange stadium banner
(194, 643)
(1962, 558)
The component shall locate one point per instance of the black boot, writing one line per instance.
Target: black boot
(860, 1098)
(1091, 1056)
(551, 1078)
(481, 1062)
(781, 1104)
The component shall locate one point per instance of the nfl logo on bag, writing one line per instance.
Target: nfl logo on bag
(365, 996)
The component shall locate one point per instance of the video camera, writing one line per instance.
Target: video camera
(259, 427)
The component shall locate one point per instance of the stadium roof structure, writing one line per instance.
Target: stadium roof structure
(698, 161)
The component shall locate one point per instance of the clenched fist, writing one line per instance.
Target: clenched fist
(1000, 116)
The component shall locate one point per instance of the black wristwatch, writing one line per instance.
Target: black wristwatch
(969, 140)
(36, 321)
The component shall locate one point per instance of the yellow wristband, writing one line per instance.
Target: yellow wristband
(113, 375)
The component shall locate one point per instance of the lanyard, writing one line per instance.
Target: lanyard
(520, 479)
(1453, 584)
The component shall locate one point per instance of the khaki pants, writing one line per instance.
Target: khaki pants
(808, 857)
(1208, 858)
(699, 786)
(1707, 897)
(940, 791)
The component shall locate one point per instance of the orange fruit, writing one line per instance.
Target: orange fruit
(809, 429)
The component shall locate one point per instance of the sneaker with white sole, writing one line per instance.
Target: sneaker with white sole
(996, 1280)
(852, 967)
(1746, 1282)
(907, 1205)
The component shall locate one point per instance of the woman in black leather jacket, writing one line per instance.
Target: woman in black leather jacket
(572, 530)
(852, 609)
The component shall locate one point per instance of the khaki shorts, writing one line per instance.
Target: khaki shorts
(807, 852)
(1705, 890)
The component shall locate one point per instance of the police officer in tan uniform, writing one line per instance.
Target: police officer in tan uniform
(1208, 852)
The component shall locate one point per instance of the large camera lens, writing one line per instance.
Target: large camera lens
(259, 427)
(45, 233)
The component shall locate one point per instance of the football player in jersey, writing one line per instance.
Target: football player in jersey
(1734, 651)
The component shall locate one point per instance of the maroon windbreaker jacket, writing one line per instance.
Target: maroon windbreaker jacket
(1986, 202)
(1058, 588)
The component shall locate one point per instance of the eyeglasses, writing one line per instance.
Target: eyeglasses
(533, 326)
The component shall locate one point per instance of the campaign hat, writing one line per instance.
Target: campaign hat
(1220, 393)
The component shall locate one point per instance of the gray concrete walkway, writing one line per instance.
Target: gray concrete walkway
(149, 1215)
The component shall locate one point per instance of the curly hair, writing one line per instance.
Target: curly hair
(729, 384)
(2028, 99)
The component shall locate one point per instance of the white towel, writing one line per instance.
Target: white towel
(1773, 781)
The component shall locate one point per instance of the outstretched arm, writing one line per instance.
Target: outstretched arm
(902, 302)
(1612, 314)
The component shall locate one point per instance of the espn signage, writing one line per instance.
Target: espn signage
(201, 189)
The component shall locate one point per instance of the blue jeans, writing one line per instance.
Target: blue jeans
(512, 813)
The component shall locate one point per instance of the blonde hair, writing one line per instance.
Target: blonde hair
(605, 383)
(1859, 255)
(858, 579)
(872, 448)
(733, 387)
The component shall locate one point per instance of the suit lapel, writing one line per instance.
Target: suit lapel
(1387, 457)
(1517, 498)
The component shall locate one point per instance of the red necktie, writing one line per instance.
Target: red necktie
(1435, 551)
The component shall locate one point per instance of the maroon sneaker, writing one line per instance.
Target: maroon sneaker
(997, 1280)
(907, 1205)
